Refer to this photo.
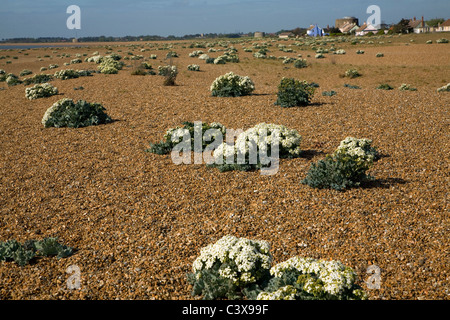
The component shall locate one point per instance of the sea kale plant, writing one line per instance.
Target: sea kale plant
(170, 73)
(40, 91)
(110, 65)
(445, 88)
(173, 136)
(345, 168)
(38, 78)
(67, 113)
(232, 85)
(352, 73)
(245, 153)
(240, 268)
(224, 269)
(22, 254)
(292, 93)
(301, 278)
(193, 67)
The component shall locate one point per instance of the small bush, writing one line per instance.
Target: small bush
(75, 61)
(38, 78)
(138, 72)
(319, 56)
(173, 135)
(385, 86)
(345, 168)
(445, 88)
(66, 74)
(110, 65)
(228, 266)
(25, 72)
(443, 40)
(340, 51)
(12, 80)
(329, 93)
(352, 73)
(67, 113)
(292, 93)
(300, 63)
(232, 85)
(170, 74)
(22, 254)
(351, 86)
(40, 91)
(406, 87)
(379, 55)
(360, 52)
(254, 140)
(193, 67)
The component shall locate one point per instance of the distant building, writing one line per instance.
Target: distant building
(341, 22)
(419, 26)
(366, 28)
(259, 34)
(315, 31)
(443, 27)
(349, 27)
(285, 35)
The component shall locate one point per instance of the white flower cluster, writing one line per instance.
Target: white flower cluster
(53, 66)
(168, 70)
(360, 148)
(406, 87)
(319, 56)
(284, 293)
(340, 51)
(203, 56)
(445, 88)
(178, 132)
(109, 65)
(153, 56)
(243, 258)
(262, 135)
(334, 277)
(96, 59)
(55, 106)
(193, 67)
(239, 85)
(40, 91)
(195, 53)
(66, 74)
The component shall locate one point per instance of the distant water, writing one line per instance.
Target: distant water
(37, 45)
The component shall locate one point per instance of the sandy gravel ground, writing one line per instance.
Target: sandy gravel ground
(138, 221)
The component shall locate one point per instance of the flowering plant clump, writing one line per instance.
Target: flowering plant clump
(66, 74)
(443, 40)
(170, 73)
(195, 53)
(220, 60)
(300, 63)
(259, 138)
(308, 278)
(110, 65)
(193, 67)
(360, 148)
(203, 56)
(379, 55)
(293, 93)
(67, 113)
(340, 51)
(12, 80)
(228, 266)
(352, 73)
(38, 78)
(25, 72)
(96, 59)
(74, 61)
(360, 52)
(445, 88)
(40, 91)
(319, 56)
(345, 168)
(153, 56)
(406, 87)
(232, 85)
(173, 135)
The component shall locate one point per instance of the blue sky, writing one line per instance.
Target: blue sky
(41, 18)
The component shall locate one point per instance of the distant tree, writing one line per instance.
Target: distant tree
(435, 22)
(402, 27)
(299, 31)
